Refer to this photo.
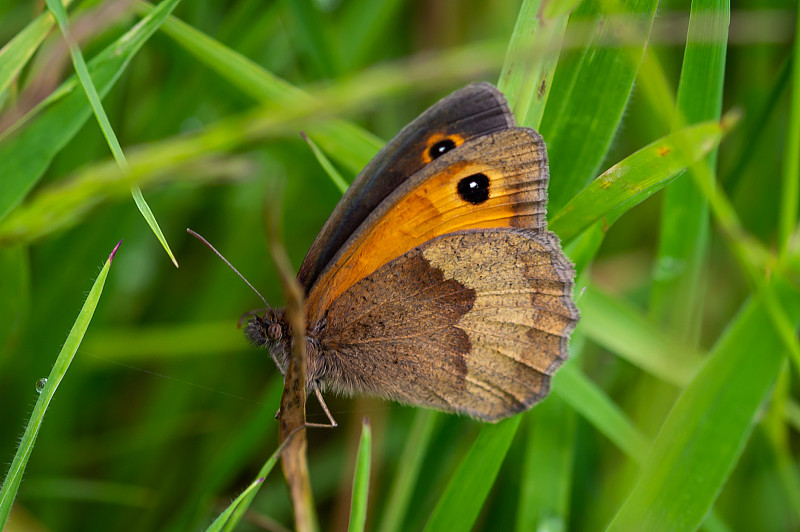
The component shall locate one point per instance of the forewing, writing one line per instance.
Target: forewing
(472, 322)
(476, 110)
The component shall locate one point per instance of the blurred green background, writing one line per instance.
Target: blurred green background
(167, 413)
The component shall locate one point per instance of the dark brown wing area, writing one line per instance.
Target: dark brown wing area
(474, 322)
(475, 110)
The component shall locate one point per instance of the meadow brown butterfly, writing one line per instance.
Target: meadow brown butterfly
(435, 281)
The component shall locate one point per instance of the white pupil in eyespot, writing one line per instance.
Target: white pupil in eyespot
(473, 184)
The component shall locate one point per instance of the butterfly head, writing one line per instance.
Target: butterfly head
(270, 330)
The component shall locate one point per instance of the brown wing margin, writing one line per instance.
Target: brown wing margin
(472, 322)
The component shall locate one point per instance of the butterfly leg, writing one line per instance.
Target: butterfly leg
(332, 422)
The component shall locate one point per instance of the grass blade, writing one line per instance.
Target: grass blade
(637, 177)
(410, 462)
(585, 397)
(791, 158)
(349, 144)
(24, 156)
(48, 389)
(16, 52)
(462, 500)
(683, 239)
(547, 468)
(326, 165)
(709, 424)
(358, 504)
(624, 331)
(224, 521)
(57, 8)
(592, 94)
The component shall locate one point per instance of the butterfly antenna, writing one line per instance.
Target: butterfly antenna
(231, 266)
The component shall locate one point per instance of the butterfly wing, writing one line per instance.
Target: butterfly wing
(509, 172)
(472, 322)
(475, 110)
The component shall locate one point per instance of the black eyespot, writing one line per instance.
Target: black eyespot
(474, 189)
(440, 148)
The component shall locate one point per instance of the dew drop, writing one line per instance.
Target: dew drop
(40, 384)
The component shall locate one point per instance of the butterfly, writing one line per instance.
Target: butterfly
(435, 281)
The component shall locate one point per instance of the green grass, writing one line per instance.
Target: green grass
(678, 407)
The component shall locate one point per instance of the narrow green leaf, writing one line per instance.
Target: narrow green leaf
(677, 292)
(547, 468)
(364, 22)
(311, 34)
(593, 88)
(47, 389)
(57, 8)
(790, 193)
(236, 510)
(409, 464)
(326, 165)
(637, 177)
(224, 521)
(623, 330)
(25, 154)
(462, 500)
(16, 52)
(360, 498)
(14, 294)
(709, 423)
(586, 398)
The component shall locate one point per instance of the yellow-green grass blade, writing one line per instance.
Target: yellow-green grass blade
(26, 153)
(66, 203)
(590, 91)
(408, 469)
(57, 8)
(360, 496)
(683, 235)
(531, 59)
(637, 177)
(710, 422)
(463, 498)
(47, 389)
(326, 165)
(349, 144)
(16, 52)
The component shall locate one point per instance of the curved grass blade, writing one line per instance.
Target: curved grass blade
(223, 520)
(462, 500)
(709, 423)
(24, 156)
(407, 473)
(48, 388)
(358, 504)
(638, 177)
(57, 8)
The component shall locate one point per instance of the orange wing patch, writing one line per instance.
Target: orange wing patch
(499, 180)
